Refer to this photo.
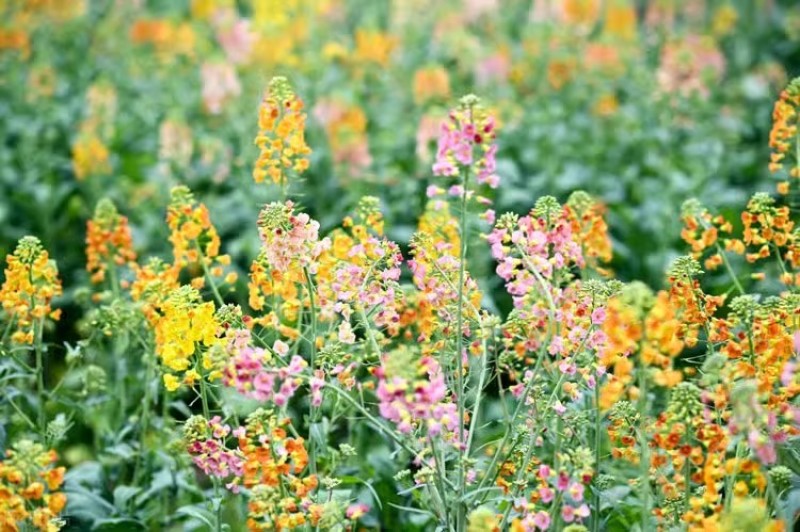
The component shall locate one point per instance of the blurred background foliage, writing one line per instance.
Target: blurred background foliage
(641, 103)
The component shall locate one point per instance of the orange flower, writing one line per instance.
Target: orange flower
(108, 241)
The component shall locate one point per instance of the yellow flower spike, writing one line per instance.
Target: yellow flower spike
(31, 283)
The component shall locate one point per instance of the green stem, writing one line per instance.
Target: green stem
(598, 419)
(40, 393)
(313, 341)
(368, 331)
(217, 502)
(644, 477)
(529, 452)
(208, 275)
(507, 434)
(145, 416)
(476, 407)
(440, 475)
(459, 364)
(372, 419)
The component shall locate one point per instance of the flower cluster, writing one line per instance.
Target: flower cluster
(365, 273)
(467, 141)
(184, 322)
(289, 255)
(265, 461)
(346, 128)
(535, 249)
(31, 283)
(108, 242)
(90, 156)
(252, 371)
(554, 493)
(413, 394)
(194, 238)
(153, 283)
(783, 135)
(205, 443)
(29, 484)
(281, 137)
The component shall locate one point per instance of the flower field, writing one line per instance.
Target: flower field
(465, 265)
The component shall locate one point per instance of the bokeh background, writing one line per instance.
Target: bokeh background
(643, 104)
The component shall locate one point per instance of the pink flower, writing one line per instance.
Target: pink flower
(576, 491)
(234, 36)
(355, 511)
(598, 316)
(541, 520)
(492, 70)
(220, 84)
(316, 385)
(544, 471)
(463, 141)
(546, 495)
(280, 348)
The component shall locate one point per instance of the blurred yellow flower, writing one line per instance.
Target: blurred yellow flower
(374, 47)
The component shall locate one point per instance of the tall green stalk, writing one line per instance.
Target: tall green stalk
(459, 366)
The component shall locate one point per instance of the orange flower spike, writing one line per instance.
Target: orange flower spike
(108, 241)
(281, 136)
(783, 134)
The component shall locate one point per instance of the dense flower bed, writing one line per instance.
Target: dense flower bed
(308, 363)
(592, 404)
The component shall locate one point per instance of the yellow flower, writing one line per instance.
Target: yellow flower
(374, 47)
(193, 236)
(620, 20)
(725, 19)
(281, 136)
(184, 322)
(31, 284)
(89, 157)
(171, 382)
(431, 83)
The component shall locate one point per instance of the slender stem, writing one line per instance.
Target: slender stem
(459, 364)
(113, 278)
(507, 433)
(217, 502)
(313, 341)
(24, 417)
(476, 407)
(42, 422)
(598, 419)
(728, 267)
(644, 477)
(731, 479)
(534, 432)
(204, 398)
(145, 415)
(368, 331)
(372, 419)
(208, 275)
(440, 475)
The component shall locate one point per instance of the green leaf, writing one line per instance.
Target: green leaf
(122, 524)
(124, 494)
(199, 513)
